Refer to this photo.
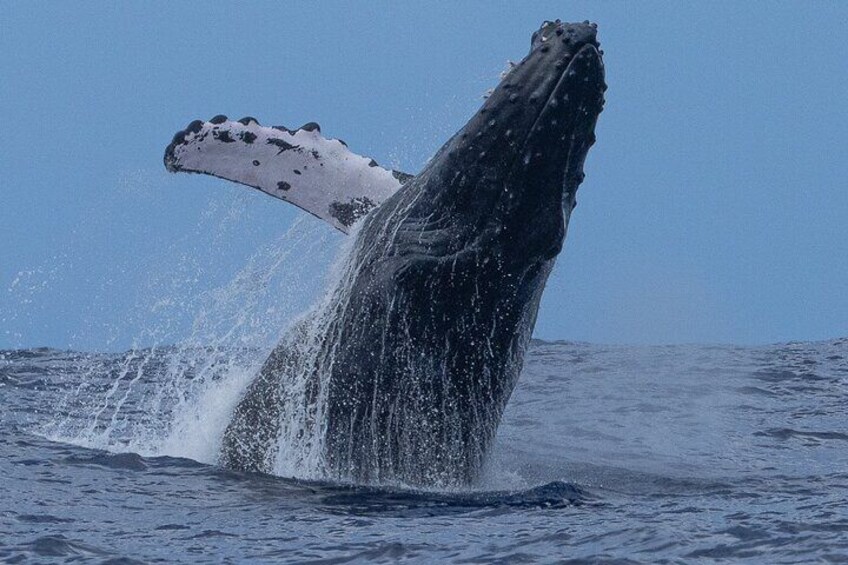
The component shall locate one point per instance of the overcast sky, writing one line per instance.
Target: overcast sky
(714, 207)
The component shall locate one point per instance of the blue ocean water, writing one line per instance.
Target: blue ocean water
(605, 453)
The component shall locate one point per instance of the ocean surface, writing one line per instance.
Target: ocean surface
(605, 453)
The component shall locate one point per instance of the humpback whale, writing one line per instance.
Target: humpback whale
(403, 371)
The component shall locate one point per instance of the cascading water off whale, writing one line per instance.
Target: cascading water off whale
(401, 374)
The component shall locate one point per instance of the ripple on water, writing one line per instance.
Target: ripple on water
(623, 454)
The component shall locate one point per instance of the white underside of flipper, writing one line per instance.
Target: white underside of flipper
(319, 175)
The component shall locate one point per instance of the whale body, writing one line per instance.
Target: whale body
(404, 370)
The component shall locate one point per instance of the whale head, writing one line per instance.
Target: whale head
(513, 170)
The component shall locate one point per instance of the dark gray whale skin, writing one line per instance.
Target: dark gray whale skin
(425, 336)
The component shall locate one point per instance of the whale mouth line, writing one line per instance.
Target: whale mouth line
(569, 73)
(588, 50)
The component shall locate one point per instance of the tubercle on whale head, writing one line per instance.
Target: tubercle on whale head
(522, 153)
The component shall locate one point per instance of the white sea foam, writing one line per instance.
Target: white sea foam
(177, 399)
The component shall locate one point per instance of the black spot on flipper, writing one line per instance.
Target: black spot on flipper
(373, 163)
(348, 212)
(194, 127)
(311, 126)
(171, 163)
(224, 136)
(219, 119)
(245, 121)
(255, 163)
(316, 156)
(283, 185)
(283, 145)
(247, 136)
(295, 171)
(401, 176)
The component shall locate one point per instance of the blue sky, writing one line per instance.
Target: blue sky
(715, 201)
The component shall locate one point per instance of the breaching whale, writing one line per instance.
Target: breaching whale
(403, 371)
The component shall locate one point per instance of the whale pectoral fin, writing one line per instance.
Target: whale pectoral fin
(319, 175)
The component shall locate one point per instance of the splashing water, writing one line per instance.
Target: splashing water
(177, 399)
(297, 399)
